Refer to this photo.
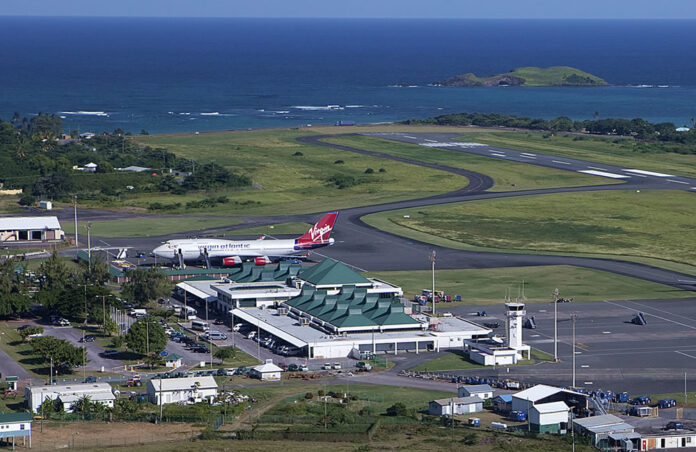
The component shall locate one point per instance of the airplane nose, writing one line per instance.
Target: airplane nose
(164, 251)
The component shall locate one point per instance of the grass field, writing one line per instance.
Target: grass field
(507, 175)
(489, 286)
(596, 149)
(147, 226)
(649, 224)
(298, 228)
(679, 397)
(288, 182)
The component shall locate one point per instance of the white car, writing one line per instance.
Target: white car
(326, 366)
(337, 366)
(237, 327)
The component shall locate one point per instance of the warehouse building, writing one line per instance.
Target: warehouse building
(69, 394)
(181, 390)
(455, 406)
(549, 417)
(484, 392)
(540, 394)
(30, 229)
(600, 428)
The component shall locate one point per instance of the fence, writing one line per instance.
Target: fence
(75, 441)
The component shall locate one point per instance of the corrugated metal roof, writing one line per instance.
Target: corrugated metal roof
(459, 400)
(539, 392)
(179, 384)
(604, 420)
(478, 388)
(25, 223)
(552, 407)
(507, 398)
(329, 272)
(10, 418)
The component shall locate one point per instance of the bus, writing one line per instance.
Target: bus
(200, 325)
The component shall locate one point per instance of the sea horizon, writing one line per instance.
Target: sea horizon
(172, 74)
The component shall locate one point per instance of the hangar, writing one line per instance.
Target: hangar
(30, 229)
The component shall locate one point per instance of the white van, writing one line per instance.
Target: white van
(217, 335)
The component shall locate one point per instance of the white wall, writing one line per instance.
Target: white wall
(547, 418)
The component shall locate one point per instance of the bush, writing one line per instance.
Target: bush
(27, 200)
(320, 393)
(382, 170)
(117, 341)
(470, 439)
(338, 162)
(309, 396)
(369, 171)
(398, 409)
(343, 181)
(297, 154)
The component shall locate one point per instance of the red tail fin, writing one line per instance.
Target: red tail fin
(320, 232)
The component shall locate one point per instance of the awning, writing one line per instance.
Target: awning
(268, 328)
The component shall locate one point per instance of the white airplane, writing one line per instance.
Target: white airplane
(233, 252)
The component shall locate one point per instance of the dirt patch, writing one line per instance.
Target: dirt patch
(88, 435)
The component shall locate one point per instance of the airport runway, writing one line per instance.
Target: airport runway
(370, 249)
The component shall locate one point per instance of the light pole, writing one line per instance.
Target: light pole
(574, 317)
(210, 340)
(432, 261)
(75, 210)
(555, 326)
(89, 247)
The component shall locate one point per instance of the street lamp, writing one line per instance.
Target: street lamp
(89, 247)
(432, 261)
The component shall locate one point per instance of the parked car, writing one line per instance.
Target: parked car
(337, 366)
(110, 352)
(237, 327)
(674, 425)
(293, 368)
(91, 379)
(326, 366)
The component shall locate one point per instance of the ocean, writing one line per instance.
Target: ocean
(183, 75)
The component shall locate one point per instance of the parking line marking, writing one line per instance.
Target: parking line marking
(653, 315)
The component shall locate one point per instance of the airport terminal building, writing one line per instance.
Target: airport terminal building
(330, 311)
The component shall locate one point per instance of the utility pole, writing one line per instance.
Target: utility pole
(574, 317)
(75, 209)
(685, 395)
(209, 339)
(89, 247)
(432, 262)
(147, 336)
(104, 312)
(555, 325)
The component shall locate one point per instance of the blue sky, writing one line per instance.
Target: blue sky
(494, 9)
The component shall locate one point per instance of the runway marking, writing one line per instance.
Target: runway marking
(561, 162)
(693, 188)
(653, 315)
(647, 173)
(677, 181)
(685, 354)
(588, 383)
(430, 141)
(597, 168)
(528, 153)
(604, 174)
(500, 155)
(412, 138)
(606, 332)
(638, 175)
(585, 365)
(527, 156)
(535, 335)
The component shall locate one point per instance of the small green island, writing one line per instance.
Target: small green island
(529, 76)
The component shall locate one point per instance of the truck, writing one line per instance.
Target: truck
(517, 416)
(138, 312)
(622, 397)
(362, 366)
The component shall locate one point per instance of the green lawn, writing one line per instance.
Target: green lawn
(649, 224)
(489, 286)
(625, 153)
(298, 228)
(678, 396)
(507, 175)
(147, 226)
(290, 183)
(457, 360)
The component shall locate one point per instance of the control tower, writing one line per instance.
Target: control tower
(515, 314)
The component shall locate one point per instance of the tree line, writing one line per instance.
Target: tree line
(33, 159)
(640, 129)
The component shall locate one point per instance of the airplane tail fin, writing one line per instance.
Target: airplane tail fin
(320, 232)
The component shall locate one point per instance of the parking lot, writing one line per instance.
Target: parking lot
(611, 352)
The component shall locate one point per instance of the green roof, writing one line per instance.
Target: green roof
(352, 308)
(172, 357)
(331, 272)
(9, 418)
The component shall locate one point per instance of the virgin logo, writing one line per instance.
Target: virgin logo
(316, 232)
